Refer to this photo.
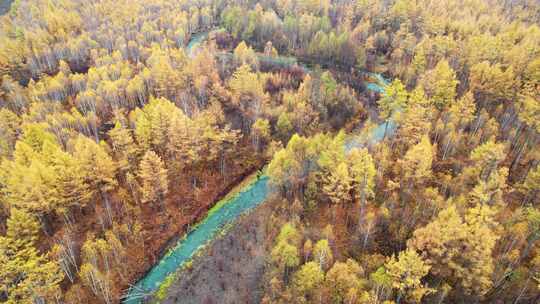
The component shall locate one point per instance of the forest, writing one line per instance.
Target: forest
(400, 140)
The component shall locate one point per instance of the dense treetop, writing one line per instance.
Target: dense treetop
(115, 136)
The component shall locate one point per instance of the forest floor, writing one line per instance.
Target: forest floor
(231, 268)
(185, 208)
(162, 226)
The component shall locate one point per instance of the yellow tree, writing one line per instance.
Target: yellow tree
(243, 54)
(26, 276)
(308, 280)
(393, 100)
(260, 132)
(153, 124)
(415, 120)
(342, 278)
(124, 147)
(416, 165)
(322, 254)
(285, 254)
(459, 115)
(248, 94)
(337, 185)
(9, 130)
(531, 185)
(153, 175)
(487, 158)
(406, 273)
(455, 247)
(440, 84)
(362, 171)
(94, 160)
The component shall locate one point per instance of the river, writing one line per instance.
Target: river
(5, 5)
(227, 210)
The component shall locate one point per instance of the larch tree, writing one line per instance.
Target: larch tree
(124, 147)
(460, 114)
(308, 280)
(337, 185)
(285, 254)
(362, 171)
(153, 124)
(9, 131)
(415, 120)
(407, 272)
(393, 100)
(100, 169)
(478, 254)
(487, 158)
(342, 278)
(416, 164)
(248, 94)
(457, 246)
(463, 111)
(260, 132)
(290, 166)
(440, 84)
(154, 181)
(73, 188)
(491, 83)
(26, 276)
(529, 115)
(322, 254)
(243, 54)
(531, 185)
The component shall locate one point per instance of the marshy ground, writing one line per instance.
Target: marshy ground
(230, 269)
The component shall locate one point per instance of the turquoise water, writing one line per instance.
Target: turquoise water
(250, 197)
(380, 83)
(5, 5)
(195, 41)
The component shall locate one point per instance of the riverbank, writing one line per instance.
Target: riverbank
(243, 197)
(236, 184)
(229, 270)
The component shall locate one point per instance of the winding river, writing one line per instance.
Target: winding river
(226, 211)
